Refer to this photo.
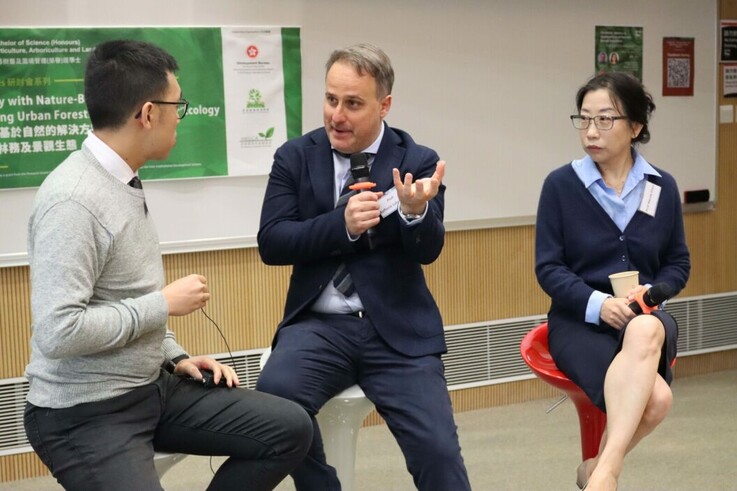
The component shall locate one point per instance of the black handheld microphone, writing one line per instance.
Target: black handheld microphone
(360, 173)
(651, 298)
(208, 379)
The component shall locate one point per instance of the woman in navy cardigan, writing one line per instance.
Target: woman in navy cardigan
(608, 212)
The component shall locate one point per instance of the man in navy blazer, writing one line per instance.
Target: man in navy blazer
(358, 309)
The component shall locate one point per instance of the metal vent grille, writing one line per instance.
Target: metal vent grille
(478, 354)
(12, 403)
(246, 364)
(707, 323)
(485, 353)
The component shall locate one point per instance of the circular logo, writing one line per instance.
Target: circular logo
(252, 51)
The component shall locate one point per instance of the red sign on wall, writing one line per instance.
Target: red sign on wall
(678, 66)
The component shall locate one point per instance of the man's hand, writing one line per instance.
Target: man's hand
(191, 366)
(362, 212)
(186, 294)
(413, 196)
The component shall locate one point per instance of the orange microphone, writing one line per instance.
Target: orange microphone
(649, 300)
(362, 186)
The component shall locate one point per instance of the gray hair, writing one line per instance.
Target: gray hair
(367, 58)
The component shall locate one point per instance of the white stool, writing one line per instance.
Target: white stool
(340, 419)
(164, 461)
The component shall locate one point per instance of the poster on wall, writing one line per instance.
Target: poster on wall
(728, 40)
(729, 79)
(243, 85)
(619, 49)
(678, 66)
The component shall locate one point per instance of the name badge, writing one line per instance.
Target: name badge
(388, 203)
(650, 198)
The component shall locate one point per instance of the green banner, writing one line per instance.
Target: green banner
(43, 116)
(291, 53)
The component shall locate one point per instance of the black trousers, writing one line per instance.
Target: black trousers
(110, 444)
(322, 354)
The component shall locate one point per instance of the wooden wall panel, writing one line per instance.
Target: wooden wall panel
(15, 321)
(247, 299)
(481, 275)
(487, 274)
(21, 466)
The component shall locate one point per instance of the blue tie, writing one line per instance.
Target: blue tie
(346, 192)
(343, 282)
(342, 278)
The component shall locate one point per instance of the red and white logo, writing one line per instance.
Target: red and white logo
(252, 51)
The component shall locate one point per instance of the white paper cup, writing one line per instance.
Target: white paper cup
(624, 282)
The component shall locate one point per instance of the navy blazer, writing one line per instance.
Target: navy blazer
(301, 227)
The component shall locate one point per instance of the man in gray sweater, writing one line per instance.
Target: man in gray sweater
(99, 403)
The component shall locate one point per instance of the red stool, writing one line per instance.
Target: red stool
(591, 419)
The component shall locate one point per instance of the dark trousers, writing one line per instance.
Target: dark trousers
(321, 355)
(110, 444)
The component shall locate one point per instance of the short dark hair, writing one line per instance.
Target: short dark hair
(628, 95)
(367, 58)
(120, 76)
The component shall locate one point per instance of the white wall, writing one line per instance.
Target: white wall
(488, 83)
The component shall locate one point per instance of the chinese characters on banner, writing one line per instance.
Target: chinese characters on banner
(245, 98)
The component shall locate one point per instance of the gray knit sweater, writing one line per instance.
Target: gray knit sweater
(99, 317)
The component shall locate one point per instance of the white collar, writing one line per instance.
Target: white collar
(111, 161)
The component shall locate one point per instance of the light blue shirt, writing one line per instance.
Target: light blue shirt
(620, 208)
(331, 301)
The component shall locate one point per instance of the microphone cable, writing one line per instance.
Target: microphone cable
(232, 361)
(227, 346)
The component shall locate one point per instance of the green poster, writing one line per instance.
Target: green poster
(43, 117)
(619, 49)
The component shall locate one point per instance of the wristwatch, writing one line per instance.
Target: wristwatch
(409, 216)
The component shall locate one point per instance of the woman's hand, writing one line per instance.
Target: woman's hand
(616, 312)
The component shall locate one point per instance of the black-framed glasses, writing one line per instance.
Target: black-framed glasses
(601, 122)
(182, 106)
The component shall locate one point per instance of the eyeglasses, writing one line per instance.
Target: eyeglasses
(601, 122)
(182, 106)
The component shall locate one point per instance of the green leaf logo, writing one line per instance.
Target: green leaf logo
(254, 100)
(267, 134)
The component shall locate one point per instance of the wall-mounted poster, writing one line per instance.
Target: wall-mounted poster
(678, 66)
(728, 40)
(243, 85)
(729, 80)
(619, 49)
